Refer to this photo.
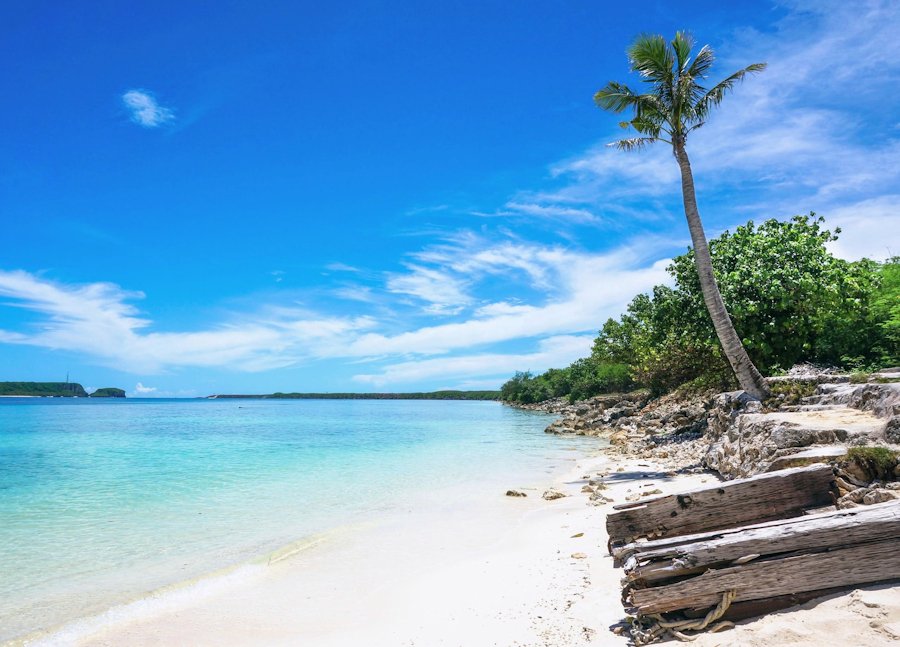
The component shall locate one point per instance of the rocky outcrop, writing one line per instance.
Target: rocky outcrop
(744, 440)
(622, 416)
(815, 416)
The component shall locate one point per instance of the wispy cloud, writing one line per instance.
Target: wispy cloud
(813, 132)
(140, 389)
(442, 292)
(99, 320)
(570, 293)
(145, 110)
(553, 351)
(531, 207)
(341, 267)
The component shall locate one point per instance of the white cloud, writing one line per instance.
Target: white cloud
(531, 206)
(140, 389)
(869, 228)
(571, 294)
(341, 267)
(443, 293)
(98, 320)
(553, 351)
(814, 132)
(359, 293)
(581, 291)
(145, 110)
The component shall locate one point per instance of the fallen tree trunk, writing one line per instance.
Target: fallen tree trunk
(651, 563)
(841, 567)
(767, 497)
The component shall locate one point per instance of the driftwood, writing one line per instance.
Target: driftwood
(768, 497)
(656, 562)
(758, 580)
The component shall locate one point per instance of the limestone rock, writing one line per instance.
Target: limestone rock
(552, 495)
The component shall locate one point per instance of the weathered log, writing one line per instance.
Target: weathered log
(859, 564)
(651, 563)
(776, 495)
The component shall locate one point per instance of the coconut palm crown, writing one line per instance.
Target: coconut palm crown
(675, 104)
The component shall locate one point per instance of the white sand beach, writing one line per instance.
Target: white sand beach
(499, 572)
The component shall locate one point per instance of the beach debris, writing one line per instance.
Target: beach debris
(552, 495)
(701, 559)
(577, 535)
(515, 493)
(767, 497)
(579, 555)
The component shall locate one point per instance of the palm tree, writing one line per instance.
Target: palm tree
(674, 105)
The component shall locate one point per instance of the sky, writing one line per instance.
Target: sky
(245, 197)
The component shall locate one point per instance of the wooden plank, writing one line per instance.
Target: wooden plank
(776, 495)
(650, 564)
(623, 552)
(853, 565)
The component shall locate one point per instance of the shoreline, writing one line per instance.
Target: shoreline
(520, 571)
(506, 532)
(507, 571)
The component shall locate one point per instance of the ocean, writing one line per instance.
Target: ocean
(103, 502)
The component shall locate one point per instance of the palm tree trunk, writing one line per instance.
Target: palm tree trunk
(747, 374)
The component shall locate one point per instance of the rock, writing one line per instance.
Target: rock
(587, 488)
(892, 430)
(879, 495)
(651, 492)
(845, 502)
(843, 485)
(552, 495)
(515, 493)
(744, 441)
(618, 437)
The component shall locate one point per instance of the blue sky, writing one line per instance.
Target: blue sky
(248, 197)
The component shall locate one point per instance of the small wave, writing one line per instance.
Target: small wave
(171, 597)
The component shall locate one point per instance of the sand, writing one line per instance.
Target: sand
(501, 571)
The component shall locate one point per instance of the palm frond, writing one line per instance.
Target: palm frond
(676, 102)
(702, 63)
(646, 125)
(714, 95)
(615, 96)
(682, 45)
(651, 57)
(633, 144)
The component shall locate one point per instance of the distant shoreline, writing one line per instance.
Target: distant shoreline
(432, 395)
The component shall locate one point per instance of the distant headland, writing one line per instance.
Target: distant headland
(56, 390)
(432, 395)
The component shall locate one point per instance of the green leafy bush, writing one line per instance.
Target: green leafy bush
(790, 299)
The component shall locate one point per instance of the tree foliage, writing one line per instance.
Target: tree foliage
(789, 297)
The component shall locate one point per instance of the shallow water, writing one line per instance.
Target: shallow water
(103, 501)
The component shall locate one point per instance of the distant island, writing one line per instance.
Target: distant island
(432, 395)
(108, 392)
(56, 390)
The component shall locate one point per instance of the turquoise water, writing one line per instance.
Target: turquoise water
(101, 502)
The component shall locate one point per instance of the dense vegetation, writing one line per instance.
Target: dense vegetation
(433, 395)
(43, 389)
(790, 299)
